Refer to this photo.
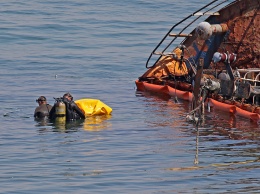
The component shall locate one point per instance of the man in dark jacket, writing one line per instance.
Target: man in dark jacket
(43, 109)
(73, 112)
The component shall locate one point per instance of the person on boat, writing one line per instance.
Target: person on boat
(43, 109)
(73, 112)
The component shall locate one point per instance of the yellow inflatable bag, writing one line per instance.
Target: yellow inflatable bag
(93, 107)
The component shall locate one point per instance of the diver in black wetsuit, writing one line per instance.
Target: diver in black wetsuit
(43, 109)
(73, 112)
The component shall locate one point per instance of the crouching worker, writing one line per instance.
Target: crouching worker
(43, 109)
(66, 107)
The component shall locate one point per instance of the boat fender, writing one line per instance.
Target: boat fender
(205, 30)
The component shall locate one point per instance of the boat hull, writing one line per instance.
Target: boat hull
(188, 96)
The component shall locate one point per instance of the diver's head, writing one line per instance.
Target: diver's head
(41, 100)
(68, 96)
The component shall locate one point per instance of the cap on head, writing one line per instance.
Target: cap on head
(41, 98)
(68, 95)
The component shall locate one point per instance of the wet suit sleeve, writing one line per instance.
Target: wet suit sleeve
(77, 110)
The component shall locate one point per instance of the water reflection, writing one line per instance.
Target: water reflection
(58, 125)
(41, 121)
(97, 123)
(164, 111)
(222, 124)
(220, 166)
(92, 123)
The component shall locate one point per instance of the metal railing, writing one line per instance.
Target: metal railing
(197, 14)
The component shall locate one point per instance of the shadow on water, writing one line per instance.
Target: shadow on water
(92, 123)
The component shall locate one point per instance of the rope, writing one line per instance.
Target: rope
(194, 110)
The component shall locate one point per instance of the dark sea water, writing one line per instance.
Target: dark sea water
(97, 49)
